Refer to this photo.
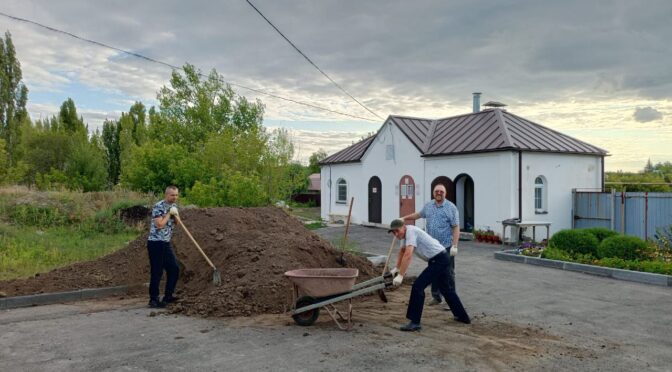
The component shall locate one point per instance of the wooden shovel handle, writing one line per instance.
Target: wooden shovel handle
(177, 217)
(389, 254)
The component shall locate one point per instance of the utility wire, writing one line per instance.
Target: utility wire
(311, 62)
(153, 60)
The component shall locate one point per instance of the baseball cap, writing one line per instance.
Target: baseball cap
(396, 223)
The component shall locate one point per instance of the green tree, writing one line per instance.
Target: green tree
(69, 120)
(152, 167)
(314, 161)
(85, 168)
(110, 140)
(13, 98)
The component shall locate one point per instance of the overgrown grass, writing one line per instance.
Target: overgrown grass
(315, 225)
(347, 246)
(40, 231)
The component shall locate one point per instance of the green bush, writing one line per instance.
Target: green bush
(30, 215)
(600, 233)
(658, 267)
(625, 247)
(574, 242)
(555, 254)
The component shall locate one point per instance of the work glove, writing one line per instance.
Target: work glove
(397, 280)
(453, 251)
(173, 211)
(394, 271)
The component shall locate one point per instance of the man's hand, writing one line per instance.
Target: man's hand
(173, 211)
(397, 280)
(453, 251)
(394, 271)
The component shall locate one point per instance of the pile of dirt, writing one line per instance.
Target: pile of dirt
(135, 214)
(252, 248)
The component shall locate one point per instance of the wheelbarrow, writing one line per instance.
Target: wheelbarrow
(315, 289)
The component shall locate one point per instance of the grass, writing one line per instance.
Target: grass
(315, 225)
(347, 246)
(311, 214)
(40, 231)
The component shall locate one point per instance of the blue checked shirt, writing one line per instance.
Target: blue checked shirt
(163, 235)
(440, 221)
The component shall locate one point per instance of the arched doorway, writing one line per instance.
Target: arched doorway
(407, 198)
(464, 196)
(448, 184)
(375, 200)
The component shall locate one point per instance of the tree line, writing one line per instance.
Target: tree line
(201, 136)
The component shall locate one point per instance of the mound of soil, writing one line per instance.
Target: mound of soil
(135, 214)
(251, 247)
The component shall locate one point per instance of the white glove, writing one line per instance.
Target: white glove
(397, 280)
(173, 211)
(394, 271)
(453, 251)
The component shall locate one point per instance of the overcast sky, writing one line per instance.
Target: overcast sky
(596, 70)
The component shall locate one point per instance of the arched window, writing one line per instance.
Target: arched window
(540, 192)
(341, 191)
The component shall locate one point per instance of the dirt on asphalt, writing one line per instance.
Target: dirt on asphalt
(252, 248)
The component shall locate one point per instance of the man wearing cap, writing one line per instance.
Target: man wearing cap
(443, 224)
(429, 249)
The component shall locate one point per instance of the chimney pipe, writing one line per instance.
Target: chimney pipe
(477, 102)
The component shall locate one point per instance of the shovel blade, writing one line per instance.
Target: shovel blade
(216, 277)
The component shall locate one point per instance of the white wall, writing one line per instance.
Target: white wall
(495, 194)
(406, 161)
(563, 172)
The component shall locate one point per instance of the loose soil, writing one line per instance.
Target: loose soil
(251, 247)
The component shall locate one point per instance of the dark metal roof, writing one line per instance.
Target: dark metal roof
(485, 131)
(493, 130)
(350, 154)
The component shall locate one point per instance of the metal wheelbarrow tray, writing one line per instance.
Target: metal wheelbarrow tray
(314, 289)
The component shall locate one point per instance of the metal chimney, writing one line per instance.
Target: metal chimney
(477, 102)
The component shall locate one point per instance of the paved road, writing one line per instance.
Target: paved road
(627, 324)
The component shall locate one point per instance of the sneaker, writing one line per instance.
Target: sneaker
(156, 304)
(465, 321)
(433, 302)
(446, 307)
(411, 327)
(170, 299)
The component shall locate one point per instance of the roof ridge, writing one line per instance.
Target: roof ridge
(430, 136)
(409, 117)
(504, 128)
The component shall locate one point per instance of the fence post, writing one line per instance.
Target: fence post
(573, 208)
(613, 207)
(646, 215)
(623, 211)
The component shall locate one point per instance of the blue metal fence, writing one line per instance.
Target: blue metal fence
(630, 213)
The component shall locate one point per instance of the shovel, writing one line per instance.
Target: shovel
(216, 277)
(381, 292)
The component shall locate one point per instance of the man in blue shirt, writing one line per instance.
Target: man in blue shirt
(428, 249)
(443, 224)
(161, 255)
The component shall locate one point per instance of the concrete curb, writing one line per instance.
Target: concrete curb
(620, 274)
(374, 258)
(59, 297)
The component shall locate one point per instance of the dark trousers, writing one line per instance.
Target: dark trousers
(435, 271)
(162, 257)
(450, 274)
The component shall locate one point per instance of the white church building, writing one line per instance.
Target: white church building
(495, 165)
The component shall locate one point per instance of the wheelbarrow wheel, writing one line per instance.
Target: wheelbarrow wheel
(309, 317)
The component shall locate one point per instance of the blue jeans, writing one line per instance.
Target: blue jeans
(162, 257)
(436, 271)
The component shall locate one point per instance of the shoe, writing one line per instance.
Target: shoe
(411, 327)
(156, 304)
(170, 299)
(465, 321)
(433, 302)
(446, 307)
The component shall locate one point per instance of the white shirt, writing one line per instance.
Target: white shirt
(426, 247)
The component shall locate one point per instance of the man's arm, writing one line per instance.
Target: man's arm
(412, 216)
(456, 235)
(161, 221)
(404, 259)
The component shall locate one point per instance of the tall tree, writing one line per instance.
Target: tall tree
(13, 98)
(315, 159)
(69, 120)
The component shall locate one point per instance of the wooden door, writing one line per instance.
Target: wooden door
(407, 197)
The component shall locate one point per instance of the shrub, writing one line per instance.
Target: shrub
(555, 254)
(600, 233)
(625, 247)
(575, 242)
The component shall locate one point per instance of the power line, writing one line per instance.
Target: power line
(153, 60)
(310, 61)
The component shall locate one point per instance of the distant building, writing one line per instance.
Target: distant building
(494, 164)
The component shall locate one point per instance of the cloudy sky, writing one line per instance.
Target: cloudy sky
(596, 70)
